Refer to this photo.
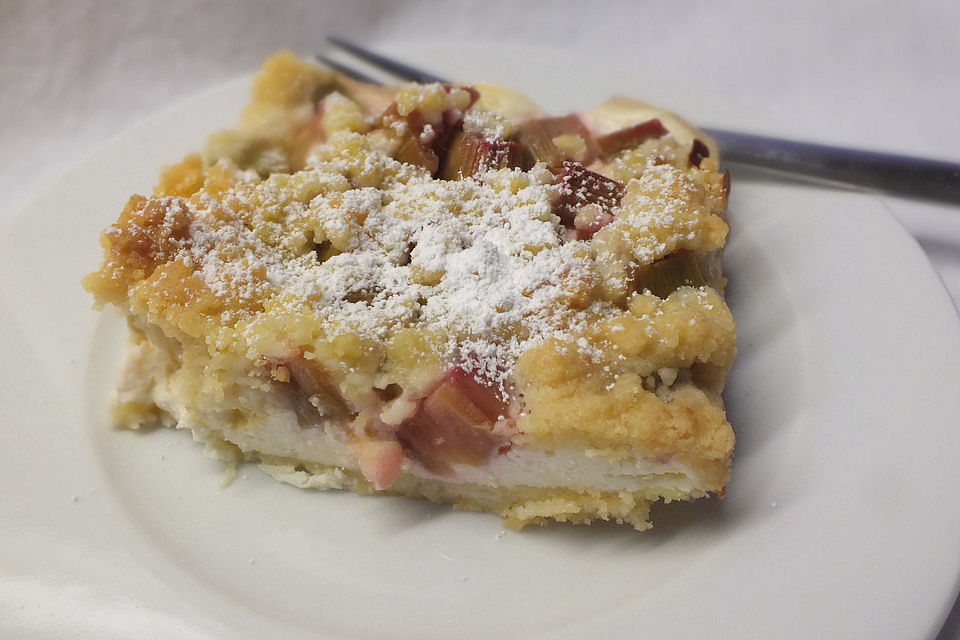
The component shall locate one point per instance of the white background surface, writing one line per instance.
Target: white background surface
(879, 75)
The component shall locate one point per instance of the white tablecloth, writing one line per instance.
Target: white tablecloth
(882, 75)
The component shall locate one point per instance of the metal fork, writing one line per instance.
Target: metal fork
(882, 172)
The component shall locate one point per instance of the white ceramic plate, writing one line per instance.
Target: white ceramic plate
(841, 519)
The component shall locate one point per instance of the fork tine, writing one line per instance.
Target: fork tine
(399, 69)
(346, 70)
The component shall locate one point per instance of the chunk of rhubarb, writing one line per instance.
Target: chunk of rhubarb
(412, 151)
(590, 219)
(578, 186)
(483, 395)
(698, 152)
(463, 421)
(381, 462)
(316, 124)
(452, 119)
(423, 142)
(668, 274)
(630, 137)
(470, 154)
(315, 386)
(538, 136)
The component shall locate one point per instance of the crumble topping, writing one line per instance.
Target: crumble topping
(481, 260)
(473, 259)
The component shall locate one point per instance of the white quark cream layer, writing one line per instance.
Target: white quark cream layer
(280, 433)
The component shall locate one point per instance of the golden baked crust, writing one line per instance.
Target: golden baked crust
(331, 249)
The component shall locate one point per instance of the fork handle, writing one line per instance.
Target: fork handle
(886, 172)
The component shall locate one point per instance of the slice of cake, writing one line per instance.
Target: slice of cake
(437, 291)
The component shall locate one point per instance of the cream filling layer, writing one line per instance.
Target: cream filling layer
(279, 433)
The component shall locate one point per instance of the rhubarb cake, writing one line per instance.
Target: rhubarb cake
(437, 291)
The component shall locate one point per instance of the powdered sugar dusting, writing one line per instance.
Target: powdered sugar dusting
(480, 261)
